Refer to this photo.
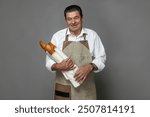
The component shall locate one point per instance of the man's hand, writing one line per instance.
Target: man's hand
(82, 73)
(65, 65)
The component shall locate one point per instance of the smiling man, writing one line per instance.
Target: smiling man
(84, 48)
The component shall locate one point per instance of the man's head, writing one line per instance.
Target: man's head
(72, 8)
(73, 16)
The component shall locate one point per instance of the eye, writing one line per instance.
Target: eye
(76, 17)
(69, 19)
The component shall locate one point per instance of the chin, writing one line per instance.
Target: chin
(75, 29)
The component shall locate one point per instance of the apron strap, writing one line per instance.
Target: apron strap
(66, 42)
(66, 39)
(84, 36)
(66, 36)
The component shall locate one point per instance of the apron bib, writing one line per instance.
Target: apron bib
(79, 53)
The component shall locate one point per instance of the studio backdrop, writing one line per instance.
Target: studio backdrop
(123, 26)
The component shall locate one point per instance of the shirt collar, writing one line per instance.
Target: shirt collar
(83, 31)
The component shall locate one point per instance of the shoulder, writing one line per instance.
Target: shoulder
(59, 37)
(90, 31)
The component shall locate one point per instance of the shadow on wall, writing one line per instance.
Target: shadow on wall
(102, 83)
(105, 81)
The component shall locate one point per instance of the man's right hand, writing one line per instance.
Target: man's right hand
(65, 65)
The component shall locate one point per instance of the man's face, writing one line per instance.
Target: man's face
(74, 22)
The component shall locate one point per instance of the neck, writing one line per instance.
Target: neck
(76, 33)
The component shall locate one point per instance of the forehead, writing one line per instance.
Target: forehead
(72, 14)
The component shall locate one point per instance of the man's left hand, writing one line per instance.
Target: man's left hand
(82, 73)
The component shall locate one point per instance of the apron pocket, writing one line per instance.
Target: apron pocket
(62, 92)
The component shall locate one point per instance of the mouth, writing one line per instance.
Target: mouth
(74, 26)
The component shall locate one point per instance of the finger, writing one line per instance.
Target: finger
(77, 73)
(80, 79)
(70, 62)
(68, 59)
(65, 60)
(72, 68)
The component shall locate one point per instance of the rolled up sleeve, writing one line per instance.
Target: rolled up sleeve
(49, 63)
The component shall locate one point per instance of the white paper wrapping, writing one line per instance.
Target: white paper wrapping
(59, 56)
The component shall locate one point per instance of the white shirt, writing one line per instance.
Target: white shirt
(96, 47)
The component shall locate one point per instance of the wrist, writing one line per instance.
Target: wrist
(91, 67)
(54, 67)
(94, 67)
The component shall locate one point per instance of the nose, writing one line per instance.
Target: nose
(73, 21)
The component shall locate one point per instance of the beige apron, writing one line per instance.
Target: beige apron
(64, 90)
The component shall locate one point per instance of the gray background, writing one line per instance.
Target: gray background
(123, 25)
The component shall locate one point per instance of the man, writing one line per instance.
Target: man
(85, 49)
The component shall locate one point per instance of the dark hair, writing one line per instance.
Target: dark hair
(73, 8)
